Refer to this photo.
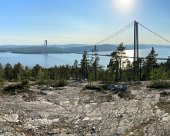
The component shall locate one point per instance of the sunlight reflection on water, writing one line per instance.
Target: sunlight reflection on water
(50, 60)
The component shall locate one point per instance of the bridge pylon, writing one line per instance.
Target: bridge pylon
(136, 60)
(136, 41)
(45, 47)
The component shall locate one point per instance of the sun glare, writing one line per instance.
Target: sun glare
(124, 6)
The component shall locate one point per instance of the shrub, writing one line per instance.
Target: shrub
(43, 82)
(159, 84)
(158, 73)
(126, 95)
(53, 83)
(62, 83)
(92, 87)
(19, 88)
(59, 83)
(164, 94)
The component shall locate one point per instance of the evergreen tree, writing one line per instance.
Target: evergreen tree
(27, 73)
(116, 61)
(41, 75)
(1, 73)
(75, 68)
(149, 64)
(95, 64)
(35, 71)
(120, 54)
(8, 72)
(127, 71)
(17, 71)
(167, 64)
(84, 65)
(114, 65)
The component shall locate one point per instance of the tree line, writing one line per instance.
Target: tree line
(119, 68)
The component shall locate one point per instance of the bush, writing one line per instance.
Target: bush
(59, 83)
(43, 82)
(159, 84)
(92, 87)
(55, 83)
(62, 83)
(17, 88)
(104, 87)
(126, 95)
(158, 73)
(164, 94)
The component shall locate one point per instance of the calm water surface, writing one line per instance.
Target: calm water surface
(51, 60)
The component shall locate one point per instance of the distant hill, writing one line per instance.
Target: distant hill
(100, 48)
(69, 48)
(30, 49)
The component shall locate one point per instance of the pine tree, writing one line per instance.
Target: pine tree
(75, 67)
(114, 65)
(84, 65)
(1, 73)
(149, 64)
(120, 53)
(95, 64)
(8, 71)
(116, 61)
(17, 71)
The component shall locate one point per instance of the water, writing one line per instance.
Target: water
(51, 60)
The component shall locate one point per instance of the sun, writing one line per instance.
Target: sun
(124, 5)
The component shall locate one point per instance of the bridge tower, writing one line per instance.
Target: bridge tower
(136, 60)
(136, 42)
(45, 47)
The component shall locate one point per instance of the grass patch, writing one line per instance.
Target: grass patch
(159, 84)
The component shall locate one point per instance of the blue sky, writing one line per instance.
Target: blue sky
(76, 21)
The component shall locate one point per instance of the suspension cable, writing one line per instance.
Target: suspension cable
(115, 34)
(154, 33)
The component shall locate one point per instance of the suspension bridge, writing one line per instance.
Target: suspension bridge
(135, 34)
(132, 37)
(138, 35)
(136, 45)
(135, 25)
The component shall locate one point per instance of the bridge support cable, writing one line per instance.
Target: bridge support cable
(163, 38)
(115, 34)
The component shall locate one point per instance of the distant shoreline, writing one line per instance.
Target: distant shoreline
(52, 49)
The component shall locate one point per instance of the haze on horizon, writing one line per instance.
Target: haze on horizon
(77, 21)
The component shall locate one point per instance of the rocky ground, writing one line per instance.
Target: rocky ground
(72, 111)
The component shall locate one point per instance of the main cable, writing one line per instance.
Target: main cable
(115, 34)
(154, 33)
